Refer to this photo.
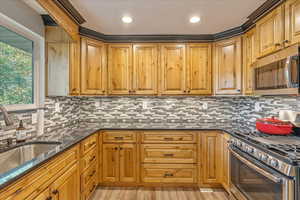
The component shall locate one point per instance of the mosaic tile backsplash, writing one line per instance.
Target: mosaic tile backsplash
(73, 110)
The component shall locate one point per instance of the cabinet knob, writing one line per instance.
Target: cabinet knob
(277, 44)
(103, 91)
(49, 198)
(184, 91)
(116, 148)
(285, 41)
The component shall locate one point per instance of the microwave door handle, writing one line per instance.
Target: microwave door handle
(254, 167)
(287, 71)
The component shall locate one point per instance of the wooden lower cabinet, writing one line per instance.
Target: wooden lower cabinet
(211, 158)
(226, 162)
(119, 163)
(67, 186)
(43, 196)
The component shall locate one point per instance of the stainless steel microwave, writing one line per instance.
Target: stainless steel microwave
(278, 74)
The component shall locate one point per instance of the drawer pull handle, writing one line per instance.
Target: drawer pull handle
(92, 174)
(168, 138)
(55, 192)
(91, 190)
(18, 191)
(119, 138)
(168, 175)
(92, 158)
(169, 155)
(49, 198)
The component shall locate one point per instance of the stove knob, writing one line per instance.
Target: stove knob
(264, 157)
(274, 163)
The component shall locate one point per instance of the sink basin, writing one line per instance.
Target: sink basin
(19, 155)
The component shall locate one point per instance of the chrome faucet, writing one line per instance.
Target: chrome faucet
(8, 121)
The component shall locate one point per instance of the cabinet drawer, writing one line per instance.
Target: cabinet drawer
(88, 175)
(169, 137)
(119, 137)
(88, 144)
(90, 189)
(169, 153)
(89, 159)
(167, 173)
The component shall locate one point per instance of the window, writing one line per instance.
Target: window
(16, 68)
(21, 66)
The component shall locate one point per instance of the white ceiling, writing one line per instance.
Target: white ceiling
(164, 16)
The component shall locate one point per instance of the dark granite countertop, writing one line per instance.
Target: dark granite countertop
(70, 137)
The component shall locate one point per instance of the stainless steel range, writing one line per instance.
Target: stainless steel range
(265, 167)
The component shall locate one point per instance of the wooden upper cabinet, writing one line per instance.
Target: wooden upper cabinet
(74, 68)
(270, 32)
(292, 23)
(93, 67)
(199, 69)
(61, 17)
(227, 64)
(249, 57)
(145, 62)
(119, 68)
(173, 69)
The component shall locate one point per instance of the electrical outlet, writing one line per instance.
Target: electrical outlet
(204, 106)
(145, 104)
(257, 107)
(34, 118)
(57, 107)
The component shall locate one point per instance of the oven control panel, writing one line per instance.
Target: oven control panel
(264, 157)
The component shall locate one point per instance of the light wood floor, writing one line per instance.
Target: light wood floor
(121, 193)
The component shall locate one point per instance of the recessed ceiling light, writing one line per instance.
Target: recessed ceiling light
(195, 19)
(127, 19)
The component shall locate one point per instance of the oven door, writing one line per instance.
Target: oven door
(252, 181)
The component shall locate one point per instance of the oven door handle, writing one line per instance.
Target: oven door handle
(259, 170)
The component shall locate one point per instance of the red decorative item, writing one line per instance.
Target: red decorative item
(274, 126)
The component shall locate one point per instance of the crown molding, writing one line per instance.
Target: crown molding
(71, 11)
(257, 14)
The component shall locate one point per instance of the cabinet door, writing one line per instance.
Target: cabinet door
(211, 158)
(228, 65)
(199, 69)
(74, 71)
(292, 23)
(226, 164)
(93, 67)
(119, 68)
(173, 69)
(67, 186)
(128, 163)
(110, 164)
(270, 32)
(249, 57)
(145, 69)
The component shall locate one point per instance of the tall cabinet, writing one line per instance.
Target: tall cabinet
(93, 67)
(227, 66)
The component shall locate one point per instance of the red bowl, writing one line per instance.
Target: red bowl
(274, 127)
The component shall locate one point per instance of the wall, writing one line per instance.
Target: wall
(23, 14)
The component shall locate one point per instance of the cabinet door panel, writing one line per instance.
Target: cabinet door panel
(67, 186)
(211, 158)
(199, 69)
(249, 57)
(145, 69)
(128, 163)
(74, 73)
(292, 23)
(93, 67)
(110, 171)
(119, 68)
(228, 65)
(173, 69)
(226, 164)
(270, 31)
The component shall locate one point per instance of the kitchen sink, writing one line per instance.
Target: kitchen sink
(19, 155)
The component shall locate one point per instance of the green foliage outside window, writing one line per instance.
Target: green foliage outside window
(16, 75)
